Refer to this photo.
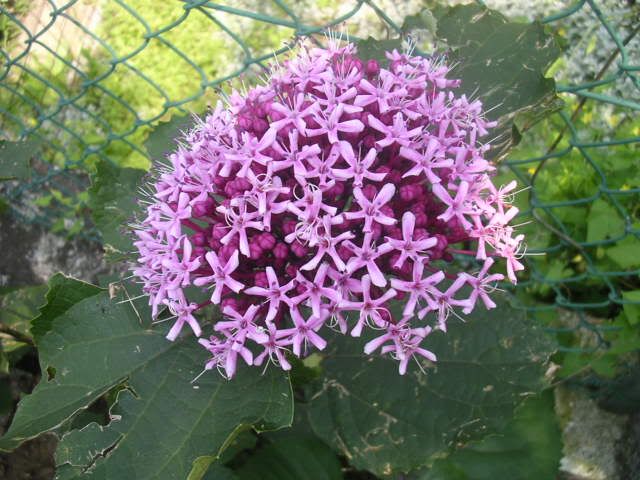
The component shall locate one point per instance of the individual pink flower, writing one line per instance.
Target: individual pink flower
(303, 333)
(221, 275)
(240, 326)
(426, 160)
(457, 207)
(330, 124)
(407, 245)
(511, 250)
(184, 313)
(482, 285)
(327, 246)
(365, 256)
(370, 309)
(173, 216)
(359, 169)
(445, 302)
(239, 220)
(419, 288)
(370, 210)
(409, 347)
(274, 293)
(274, 349)
(397, 132)
(180, 270)
(251, 151)
(292, 154)
(294, 113)
(314, 291)
(386, 92)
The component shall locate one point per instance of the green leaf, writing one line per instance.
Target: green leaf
(15, 159)
(631, 306)
(530, 447)
(112, 200)
(63, 293)
(79, 446)
(168, 436)
(162, 418)
(626, 253)
(624, 338)
(200, 467)
(292, 458)
(218, 472)
(245, 440)
(386, 423)
(295, 453)
(500, 62)
(67, 472)
(603, 222)
(162, 138)
(208, 467)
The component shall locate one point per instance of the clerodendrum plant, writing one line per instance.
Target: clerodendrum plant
(338, 186)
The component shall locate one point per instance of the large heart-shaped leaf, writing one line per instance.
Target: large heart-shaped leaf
(500, 62)
(164, 424)
(163, 420)
(385, 423)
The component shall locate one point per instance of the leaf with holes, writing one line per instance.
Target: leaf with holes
(500, 62)
(163, 419)
(387, 423)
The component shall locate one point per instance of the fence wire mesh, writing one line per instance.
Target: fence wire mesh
(71, 80)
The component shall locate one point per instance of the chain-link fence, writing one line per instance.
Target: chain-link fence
(90, 78)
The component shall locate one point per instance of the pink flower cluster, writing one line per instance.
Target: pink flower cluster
(327, 198)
